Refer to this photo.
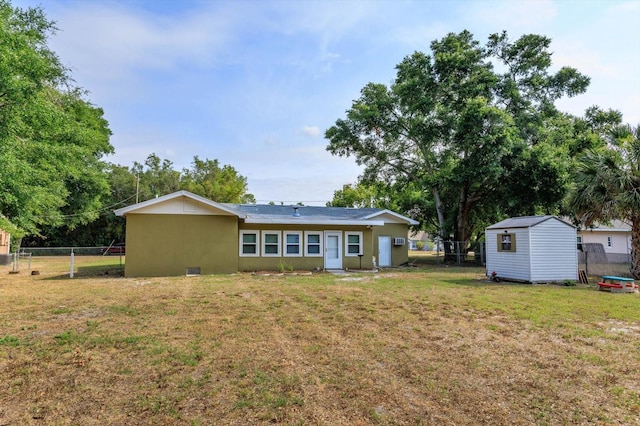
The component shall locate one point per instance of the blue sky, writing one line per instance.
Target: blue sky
(255, 84)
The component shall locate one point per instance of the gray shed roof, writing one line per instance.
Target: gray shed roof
(524, 222)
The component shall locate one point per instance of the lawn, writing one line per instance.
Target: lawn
(426, 345)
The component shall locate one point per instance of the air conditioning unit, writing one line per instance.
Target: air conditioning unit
(398, 241)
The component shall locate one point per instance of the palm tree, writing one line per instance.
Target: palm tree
(607, 186)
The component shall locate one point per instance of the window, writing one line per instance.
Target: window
(313, 240)
(353, 243)
(271, 243)
(293, 243)
(249, 243)
(506, 242)
(579, 241)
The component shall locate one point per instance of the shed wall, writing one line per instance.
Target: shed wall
(553, 252)
(509, 265)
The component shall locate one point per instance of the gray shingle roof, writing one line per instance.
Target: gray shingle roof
(523, 222)
(283, 211)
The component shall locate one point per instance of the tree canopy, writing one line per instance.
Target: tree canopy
(52, 139)
(463, 130)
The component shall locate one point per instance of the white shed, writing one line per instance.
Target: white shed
(533, 249)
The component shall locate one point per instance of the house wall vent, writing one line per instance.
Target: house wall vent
(193, 271)
(398, 241)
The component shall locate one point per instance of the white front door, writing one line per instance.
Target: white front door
(333, 250)
(384, 251)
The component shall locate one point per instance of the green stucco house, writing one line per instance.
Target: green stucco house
(183, 233)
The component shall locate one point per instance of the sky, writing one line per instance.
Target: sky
(255, 84)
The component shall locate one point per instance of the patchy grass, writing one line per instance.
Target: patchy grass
(432, 345)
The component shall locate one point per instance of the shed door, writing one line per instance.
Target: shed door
(384, 251)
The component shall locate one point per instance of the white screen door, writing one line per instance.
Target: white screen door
(333, 250)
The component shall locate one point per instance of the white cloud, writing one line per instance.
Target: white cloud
(311, 131)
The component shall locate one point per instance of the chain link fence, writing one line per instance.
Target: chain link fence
(594, 260)
(459, 253)
(22, 259)
(449, 253)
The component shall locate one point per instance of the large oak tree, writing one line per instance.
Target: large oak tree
(460, 126)
(51, 138)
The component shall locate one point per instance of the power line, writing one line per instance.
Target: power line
(104, 209)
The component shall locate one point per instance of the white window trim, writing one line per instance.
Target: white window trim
(346, 244)
(320, 243)
(279, 253)
(285, 244)
(257, 234)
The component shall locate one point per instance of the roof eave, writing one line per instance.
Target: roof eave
(305, 221)
(132, 208)
(392, 213)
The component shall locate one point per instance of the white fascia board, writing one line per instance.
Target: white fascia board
(603, 230)
(266, 221)
(124, 210)
(392, 213)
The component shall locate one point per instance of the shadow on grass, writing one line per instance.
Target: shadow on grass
(471, 282)
(93, 271)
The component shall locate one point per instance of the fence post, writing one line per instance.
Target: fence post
(71, 269)
(586, 262)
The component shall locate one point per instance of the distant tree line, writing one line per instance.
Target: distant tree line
(142, 182)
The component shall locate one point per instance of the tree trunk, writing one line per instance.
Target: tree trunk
(635, 245)
(439, 212)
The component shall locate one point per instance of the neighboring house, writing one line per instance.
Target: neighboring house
(5, 243)
(183, 233)
(614, 239)
(532, 249)
(419, 236)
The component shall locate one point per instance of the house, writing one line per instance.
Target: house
(183, 233)
(419, 240)
(613, 240)
(5, 243)
(532, 249)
